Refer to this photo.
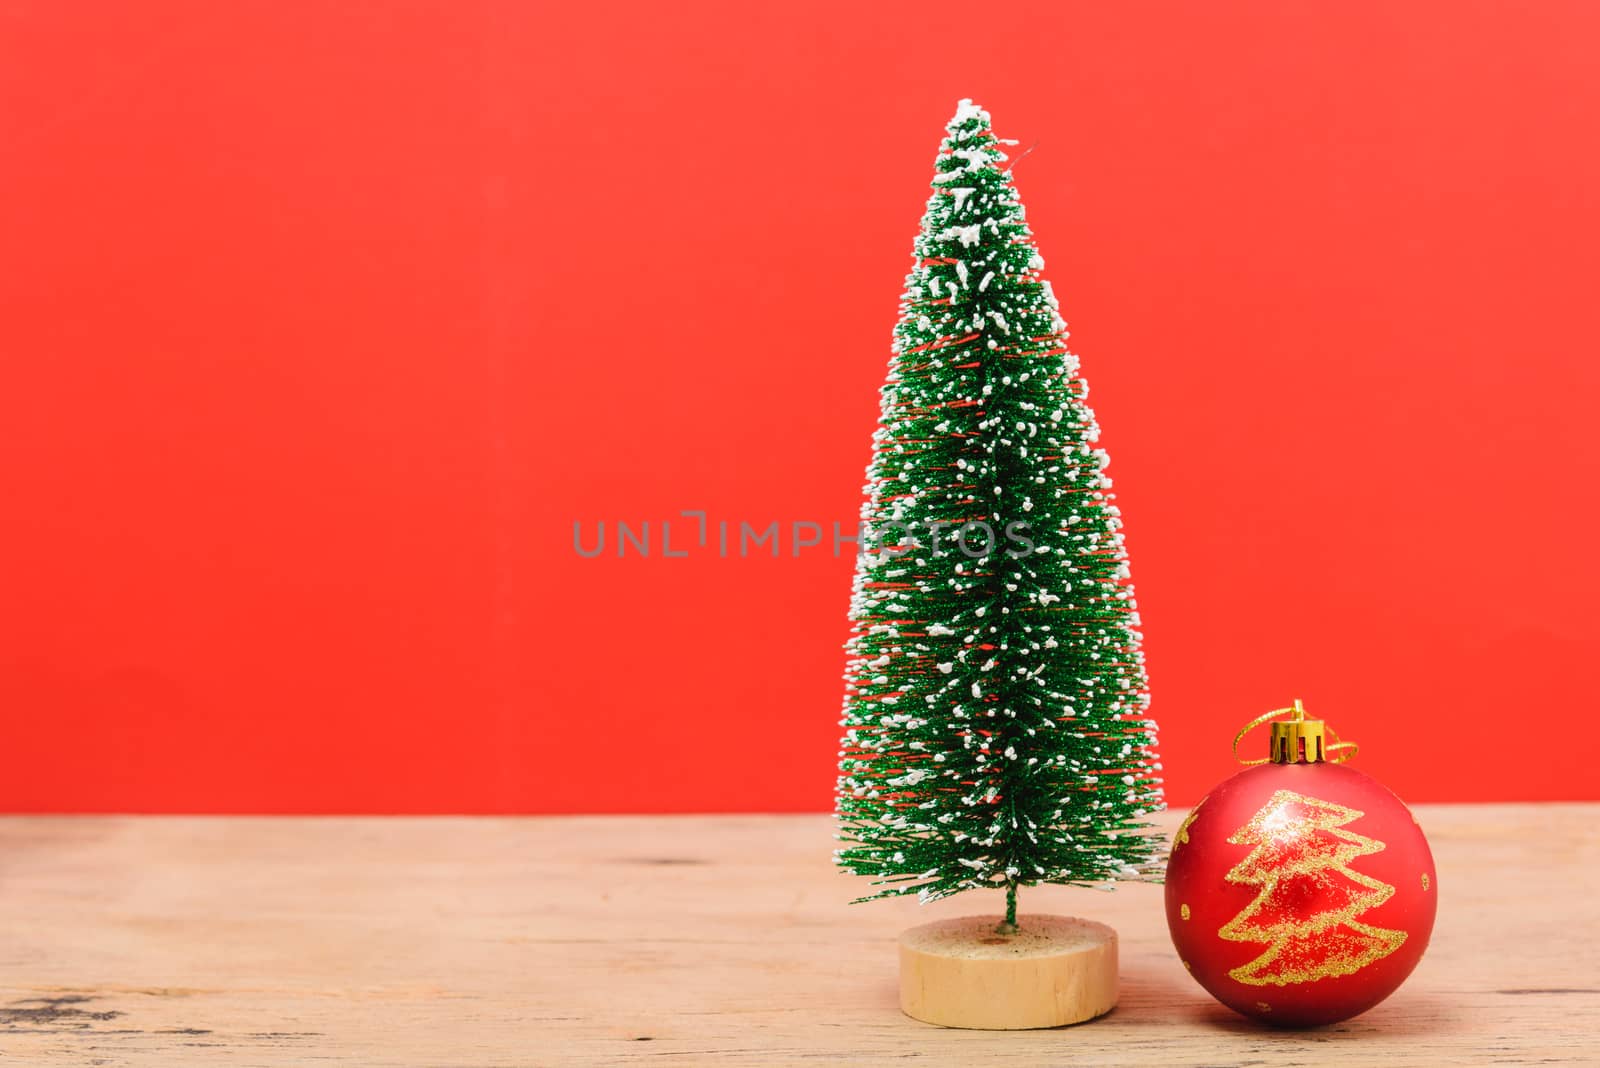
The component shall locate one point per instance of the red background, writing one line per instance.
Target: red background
(322, 323)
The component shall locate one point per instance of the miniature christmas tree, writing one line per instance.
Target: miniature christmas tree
(1302, 854)
(996, 726)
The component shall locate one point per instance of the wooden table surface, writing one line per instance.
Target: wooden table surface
(684, 941)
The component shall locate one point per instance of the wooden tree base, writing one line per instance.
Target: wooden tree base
(1053, 970)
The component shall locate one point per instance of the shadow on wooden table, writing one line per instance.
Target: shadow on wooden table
(1401, 1015)
(23, 838)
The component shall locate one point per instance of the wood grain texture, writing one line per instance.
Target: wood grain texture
(684, 941)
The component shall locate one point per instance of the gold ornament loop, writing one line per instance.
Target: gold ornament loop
(1252, 725)
(1346, 750)
(1334, 751)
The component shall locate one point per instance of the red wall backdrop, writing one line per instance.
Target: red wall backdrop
(323, 323)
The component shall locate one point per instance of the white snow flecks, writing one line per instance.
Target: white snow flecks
(976, 159)
(967, 235)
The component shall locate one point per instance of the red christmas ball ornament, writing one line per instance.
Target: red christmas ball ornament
(1300, 892)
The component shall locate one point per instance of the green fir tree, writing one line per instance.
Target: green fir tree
(996, 709)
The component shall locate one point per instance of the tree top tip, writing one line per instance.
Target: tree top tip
(966, 110)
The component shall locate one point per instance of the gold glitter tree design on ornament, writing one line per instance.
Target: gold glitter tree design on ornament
(1302, 854)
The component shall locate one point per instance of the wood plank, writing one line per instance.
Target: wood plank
(683, 941)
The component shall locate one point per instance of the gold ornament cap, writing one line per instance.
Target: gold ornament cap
(1297, 739)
